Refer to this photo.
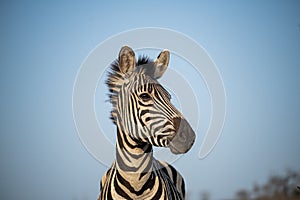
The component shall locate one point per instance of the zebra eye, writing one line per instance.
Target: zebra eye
(145, 96)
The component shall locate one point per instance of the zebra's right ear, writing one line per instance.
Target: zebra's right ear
(126, 59)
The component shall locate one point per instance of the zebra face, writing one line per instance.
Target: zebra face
(159, 122)
(143, 108)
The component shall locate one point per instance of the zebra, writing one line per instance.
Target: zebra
(144, 117)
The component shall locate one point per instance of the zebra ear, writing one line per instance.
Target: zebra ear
(161, 63)
(126, 59)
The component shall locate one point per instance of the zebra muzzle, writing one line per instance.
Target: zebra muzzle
(184, 137)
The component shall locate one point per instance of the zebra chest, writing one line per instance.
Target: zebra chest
(157, 186)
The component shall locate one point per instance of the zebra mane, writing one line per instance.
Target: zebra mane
(115, 76)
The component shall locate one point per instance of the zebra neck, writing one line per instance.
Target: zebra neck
(133, 157)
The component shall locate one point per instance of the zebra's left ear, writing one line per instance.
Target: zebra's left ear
(161, 63)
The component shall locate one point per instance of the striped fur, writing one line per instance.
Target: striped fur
(144, 117)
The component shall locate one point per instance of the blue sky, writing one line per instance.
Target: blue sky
(255, 45)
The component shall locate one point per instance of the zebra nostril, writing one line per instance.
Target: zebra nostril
(176, 122)
(184, 137)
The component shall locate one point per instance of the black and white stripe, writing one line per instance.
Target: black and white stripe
(144, 117)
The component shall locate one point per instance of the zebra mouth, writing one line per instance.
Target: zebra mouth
(184, 138)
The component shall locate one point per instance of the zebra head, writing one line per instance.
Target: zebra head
(142, 108)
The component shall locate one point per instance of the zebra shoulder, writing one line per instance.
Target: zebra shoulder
(174, 176)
